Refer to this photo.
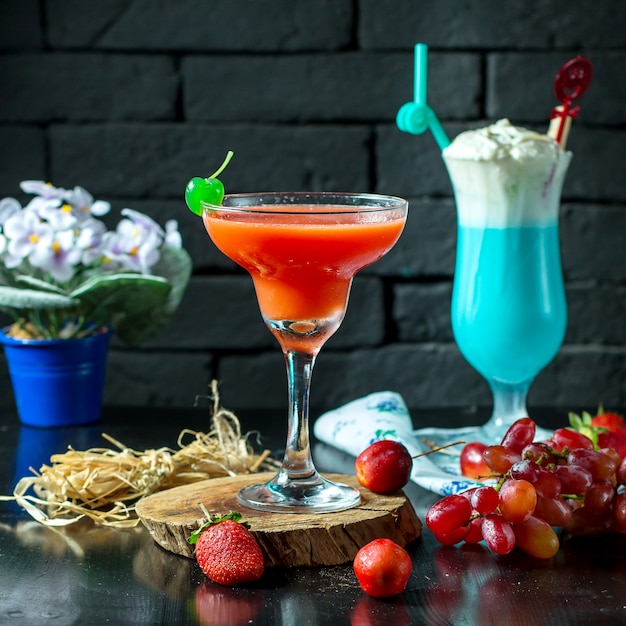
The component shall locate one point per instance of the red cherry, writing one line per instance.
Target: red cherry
(382, 568)
(384, 467)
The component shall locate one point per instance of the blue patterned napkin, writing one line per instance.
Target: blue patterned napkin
(384, 415)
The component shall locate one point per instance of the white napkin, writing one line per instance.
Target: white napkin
(384, 415)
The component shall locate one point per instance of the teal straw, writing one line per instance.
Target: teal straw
(421, 73)
(417, 117)
(442, 139)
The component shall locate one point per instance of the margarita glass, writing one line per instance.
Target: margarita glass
(302, 251)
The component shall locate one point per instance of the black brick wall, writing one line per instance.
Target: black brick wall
(130, 98)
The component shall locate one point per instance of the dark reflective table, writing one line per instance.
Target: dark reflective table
(90, 575)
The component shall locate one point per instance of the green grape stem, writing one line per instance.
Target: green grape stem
(222, 167)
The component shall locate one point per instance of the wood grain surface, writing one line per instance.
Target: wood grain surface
(287, 539)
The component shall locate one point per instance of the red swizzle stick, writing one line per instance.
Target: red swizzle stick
(570, 83)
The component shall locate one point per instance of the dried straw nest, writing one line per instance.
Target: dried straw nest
(104, 484)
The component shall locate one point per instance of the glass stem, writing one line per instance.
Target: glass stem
(509, 404)
(298, 463)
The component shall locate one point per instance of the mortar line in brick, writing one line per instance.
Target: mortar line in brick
(43, 22)
(483, 84)
(390, 334)
(47, 150)
(356, 25)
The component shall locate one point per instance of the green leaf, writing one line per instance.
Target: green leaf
(175, 266)
(216, 519)
(15, 298)
(127, 301)
(136, 305)
(583, 425)
(105, 285)
(36, 283)
(576, 421)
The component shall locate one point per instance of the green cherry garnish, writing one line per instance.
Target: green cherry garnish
(209, 190)
(200, 190)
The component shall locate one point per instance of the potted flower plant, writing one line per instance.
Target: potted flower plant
(68, 282)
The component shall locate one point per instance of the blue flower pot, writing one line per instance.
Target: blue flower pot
(57, 382)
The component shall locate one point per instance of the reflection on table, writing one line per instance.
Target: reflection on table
(86, 574)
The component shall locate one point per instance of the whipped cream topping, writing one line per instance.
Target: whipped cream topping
(502, 140)
(505, 175)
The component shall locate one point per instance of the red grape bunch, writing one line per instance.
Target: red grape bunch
(534, 487)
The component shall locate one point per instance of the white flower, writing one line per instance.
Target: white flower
(172, 236)
(77, 201)
(57, 257)
(58, 241)
(43, 189)
(8, 207)
(90, 239)
(25, 232)
(84, 204)
(143, 221)
(59, 217)
(136, 242)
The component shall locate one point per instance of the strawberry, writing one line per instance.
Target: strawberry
(613, 422)
(219, 606)
(605, 429)
(616, 441)
(226, 550)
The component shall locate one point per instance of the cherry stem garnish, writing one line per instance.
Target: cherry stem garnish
(206, 191)
(223, 166)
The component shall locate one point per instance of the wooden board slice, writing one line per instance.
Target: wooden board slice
(287, 539)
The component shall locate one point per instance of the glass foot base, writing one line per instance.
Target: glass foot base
(313, 494)
(488, 436)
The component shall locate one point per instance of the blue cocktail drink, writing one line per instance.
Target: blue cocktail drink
(509, 313)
